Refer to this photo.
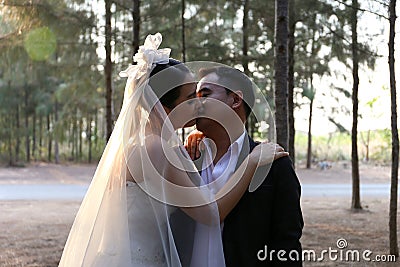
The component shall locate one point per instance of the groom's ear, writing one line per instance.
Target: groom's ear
(237, 99)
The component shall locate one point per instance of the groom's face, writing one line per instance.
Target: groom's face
(208, 88)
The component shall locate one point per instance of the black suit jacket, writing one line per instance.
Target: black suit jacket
(262, 223)
(266, 221)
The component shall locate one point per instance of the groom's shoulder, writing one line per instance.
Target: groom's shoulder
(282, 172)
(283, 162)
(281, 166)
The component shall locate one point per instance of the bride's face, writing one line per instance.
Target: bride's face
(184, 112)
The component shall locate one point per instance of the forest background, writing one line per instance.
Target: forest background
(60, 92)
(59, 98)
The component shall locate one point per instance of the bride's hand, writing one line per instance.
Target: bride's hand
(266, 152)
(280, 152)
(192, 144)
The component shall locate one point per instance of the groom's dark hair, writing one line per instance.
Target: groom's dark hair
(168, 81)
(233, 79)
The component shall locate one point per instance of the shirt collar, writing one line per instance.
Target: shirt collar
(236, 146)
(238, 142)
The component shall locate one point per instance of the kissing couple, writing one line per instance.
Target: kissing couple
(151, 204)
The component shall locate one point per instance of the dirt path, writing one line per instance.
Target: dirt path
(33, 233)
(44, 173)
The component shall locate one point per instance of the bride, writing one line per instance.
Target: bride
(145, 174)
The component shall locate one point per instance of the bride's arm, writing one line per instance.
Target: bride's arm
(230, 194)
(226, 198)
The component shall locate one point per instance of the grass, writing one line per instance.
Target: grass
(337, 146)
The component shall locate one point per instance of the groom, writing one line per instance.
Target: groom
(265, 227)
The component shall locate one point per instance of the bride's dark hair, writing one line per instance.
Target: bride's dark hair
(168, 81)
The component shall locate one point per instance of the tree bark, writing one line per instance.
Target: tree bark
(89, 137)
(80, 130)
(309, 140)
(393, 243)
(34, 135)
(183, 6)
(40, 135)
(245, 48)
(355, 203)
(108, 70)
(27, 139)
(281, 72)
(136, 26)
(291, 46)
(183, 35)
(18, 129)
(96, 128)
(245, 38)
(10, 155)
(73, 138)
(311, 97)
(49, 133)
(56, 149)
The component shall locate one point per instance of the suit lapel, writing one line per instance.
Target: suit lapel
(247, 147)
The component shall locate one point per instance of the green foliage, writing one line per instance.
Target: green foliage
(51, 61)
(50, 50)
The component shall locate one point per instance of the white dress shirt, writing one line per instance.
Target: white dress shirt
(217, 176)
(206, 237)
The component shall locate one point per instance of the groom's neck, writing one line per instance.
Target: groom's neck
(223, 140)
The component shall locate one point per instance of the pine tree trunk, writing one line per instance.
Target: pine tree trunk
(49, 146)
(9, 135)
(76, 139)
(96, 129)
(56, 150)
(291, 46)
(309, 137)
(18, 131)
(183, 6)
(393, 243)
(281, 72)
(89, 136)
(183, 29)
(80, 130)
(245, 47)
(40, 136)
(34, 135)
(136, 26)
(72, 139)
(108, 70)
(27, 144)
(355, 203)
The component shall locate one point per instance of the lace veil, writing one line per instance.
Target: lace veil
(100, 233)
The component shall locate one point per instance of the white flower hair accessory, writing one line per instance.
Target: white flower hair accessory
(147, 55)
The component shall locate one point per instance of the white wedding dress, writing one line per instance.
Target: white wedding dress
(119, 224)
(144, 229)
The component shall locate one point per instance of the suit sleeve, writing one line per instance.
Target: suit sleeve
(287, 219)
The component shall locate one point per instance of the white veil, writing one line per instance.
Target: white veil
(100, 235)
